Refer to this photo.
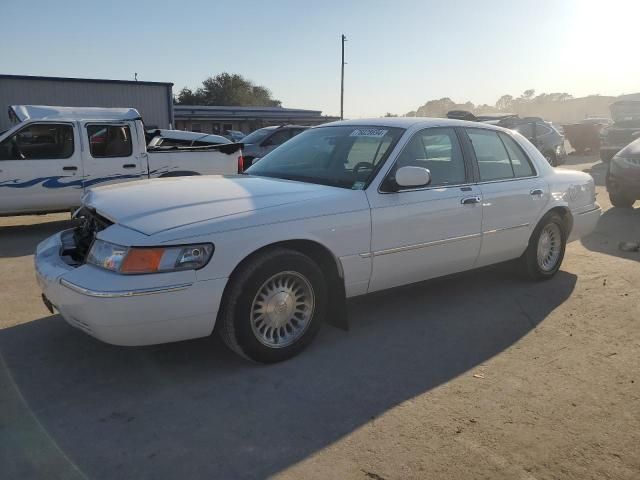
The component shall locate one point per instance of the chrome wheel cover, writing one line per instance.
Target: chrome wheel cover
(549, 247)
(282, 309)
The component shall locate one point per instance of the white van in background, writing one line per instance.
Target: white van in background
(54, 154)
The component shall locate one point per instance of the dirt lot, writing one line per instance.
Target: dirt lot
(478, 376)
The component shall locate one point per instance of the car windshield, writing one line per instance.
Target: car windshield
(257, 136)
(340, 156)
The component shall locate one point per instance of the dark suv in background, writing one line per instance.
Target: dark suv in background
(260, 142)
(625, 128)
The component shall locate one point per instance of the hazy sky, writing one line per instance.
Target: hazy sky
(399, 53)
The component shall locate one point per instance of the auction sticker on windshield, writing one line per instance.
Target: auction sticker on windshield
(369, 132)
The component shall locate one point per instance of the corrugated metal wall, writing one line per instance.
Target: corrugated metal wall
(152, 101)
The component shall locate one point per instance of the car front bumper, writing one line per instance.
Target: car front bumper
(125, 309)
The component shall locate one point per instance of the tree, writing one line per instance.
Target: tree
(389, 115)
(228, 90)
(528, 94)
(504, 103)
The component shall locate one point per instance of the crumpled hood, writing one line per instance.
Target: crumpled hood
(153, 206)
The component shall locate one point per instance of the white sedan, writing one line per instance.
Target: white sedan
(341, 210)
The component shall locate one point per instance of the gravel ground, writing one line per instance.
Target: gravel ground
(481, 375)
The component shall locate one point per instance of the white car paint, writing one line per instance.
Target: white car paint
(57, 184)
(378, 240)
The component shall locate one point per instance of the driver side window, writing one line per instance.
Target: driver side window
(438, 150)
(39, 141)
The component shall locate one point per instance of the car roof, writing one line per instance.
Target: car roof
(47, 112)
(408, 122)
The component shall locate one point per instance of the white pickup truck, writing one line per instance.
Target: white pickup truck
(54, 154)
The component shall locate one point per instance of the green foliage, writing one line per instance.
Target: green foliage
(228, 89)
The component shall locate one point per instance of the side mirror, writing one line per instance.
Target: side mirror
(408, 177)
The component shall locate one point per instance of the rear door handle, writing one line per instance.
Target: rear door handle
(470, 200)
(129, 165)
(72, 169)
(537, 191)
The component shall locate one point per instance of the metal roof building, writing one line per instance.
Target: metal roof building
(216, 119)
(154, 100)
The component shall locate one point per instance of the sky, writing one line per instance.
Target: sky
(399, 53)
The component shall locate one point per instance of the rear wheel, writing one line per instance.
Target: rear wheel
(274, 306)
(543, 256)
(620, 199)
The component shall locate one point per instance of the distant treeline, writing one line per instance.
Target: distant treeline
(556, 107)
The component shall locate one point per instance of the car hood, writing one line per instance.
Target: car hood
(153, 206)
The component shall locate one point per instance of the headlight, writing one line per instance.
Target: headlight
(129, 260)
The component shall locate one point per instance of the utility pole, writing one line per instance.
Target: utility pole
(344, 39)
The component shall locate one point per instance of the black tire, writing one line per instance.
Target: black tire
(621, 200)
(235, 317)
(529, 259)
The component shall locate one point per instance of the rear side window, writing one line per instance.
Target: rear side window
(438, 150)
(521, 164)
(279, 137)
(492, 156)
(499, 156)
(39, 141)
(109, 141)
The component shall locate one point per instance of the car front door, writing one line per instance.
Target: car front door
(112, 155)
(513, 194)
(40, 168)
(431, 231)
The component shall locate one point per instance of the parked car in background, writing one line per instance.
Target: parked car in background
(260, 142)
(542, 134)
(55, 154)
(181, 138)
(625, 128)
(234, 135)
(343, 209)
(623, 176)
(547, 139)
(585, 135)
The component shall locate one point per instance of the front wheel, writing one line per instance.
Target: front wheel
(543, 256)
(274, 306)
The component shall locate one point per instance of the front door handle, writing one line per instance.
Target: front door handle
(470, 200)
(72, 169)
(129, 165)
(537, 191)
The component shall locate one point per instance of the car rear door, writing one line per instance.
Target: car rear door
(40, 168)
(426, 232)
(513, 194)
(113, 153)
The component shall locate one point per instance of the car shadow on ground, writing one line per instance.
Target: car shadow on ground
(75, 407)
(615, 225)
(20, 240)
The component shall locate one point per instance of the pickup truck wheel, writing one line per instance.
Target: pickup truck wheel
(543, 257)
(621, 200)
(274, 306)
